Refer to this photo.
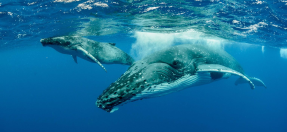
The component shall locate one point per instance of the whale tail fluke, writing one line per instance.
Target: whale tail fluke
(255, 80)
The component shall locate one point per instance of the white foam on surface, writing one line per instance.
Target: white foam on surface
(263, 49)
(147, 43)
(101, 4)
(66, 1)
(90, 4)
(85, 6)
(10, 14)
(150, 8)
(254, 28)
(258, 2)
(32, 3)
(283, 53)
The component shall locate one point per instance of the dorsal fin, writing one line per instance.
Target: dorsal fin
(113, 44)
(75, 58)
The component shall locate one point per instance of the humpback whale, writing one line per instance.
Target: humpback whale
(93, 51)
(172, 70)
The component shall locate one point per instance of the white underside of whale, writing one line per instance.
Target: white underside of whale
(167, 88)
(79, 52)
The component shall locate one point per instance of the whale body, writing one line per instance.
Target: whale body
(172, 70)
(93, 51)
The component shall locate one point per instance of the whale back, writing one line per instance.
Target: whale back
(195, 53)
(108, 53)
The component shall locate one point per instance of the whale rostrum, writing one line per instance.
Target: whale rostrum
(171, 70)
(93, 51)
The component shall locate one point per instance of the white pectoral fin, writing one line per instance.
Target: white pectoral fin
(256, 81)
(91, 57)
(223, 69)
(75, 58)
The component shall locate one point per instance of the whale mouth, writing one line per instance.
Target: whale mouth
(45, 42)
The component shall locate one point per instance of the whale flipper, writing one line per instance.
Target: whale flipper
(222, 69)
(90, 56)
(75, 58)
(255, 80)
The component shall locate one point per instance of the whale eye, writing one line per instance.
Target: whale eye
(67, 43)
(175, 62)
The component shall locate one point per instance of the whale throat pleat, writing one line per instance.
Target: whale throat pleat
(180, 84)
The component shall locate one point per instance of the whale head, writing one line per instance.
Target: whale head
(57, 41)
(64, 44)
(67, 42)
(145, 78)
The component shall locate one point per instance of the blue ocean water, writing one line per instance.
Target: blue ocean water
(43, 90)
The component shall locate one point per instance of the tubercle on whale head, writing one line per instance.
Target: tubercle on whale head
(46, 41)
(55, 41)
(118, 92)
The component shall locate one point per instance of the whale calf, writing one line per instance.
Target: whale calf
(172, 70)
(93, 51)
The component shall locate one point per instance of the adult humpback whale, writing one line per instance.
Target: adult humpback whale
(89, 50)
(171, 70)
